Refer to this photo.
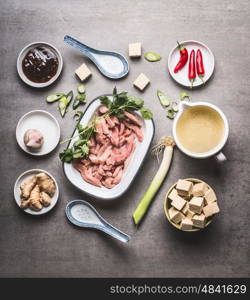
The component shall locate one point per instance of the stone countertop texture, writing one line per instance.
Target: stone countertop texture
(48, 246)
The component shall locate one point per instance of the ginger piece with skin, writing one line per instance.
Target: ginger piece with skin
(34, 199)
(46, 184)
(45, 199)
(27, 187)
(25, 204)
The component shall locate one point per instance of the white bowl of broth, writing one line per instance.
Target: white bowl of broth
(200, 130)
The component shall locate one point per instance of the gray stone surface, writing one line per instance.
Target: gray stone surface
(49, 245)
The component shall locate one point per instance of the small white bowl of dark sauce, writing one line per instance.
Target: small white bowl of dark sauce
(39, 64)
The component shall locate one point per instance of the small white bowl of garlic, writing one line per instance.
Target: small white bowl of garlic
(38, 132)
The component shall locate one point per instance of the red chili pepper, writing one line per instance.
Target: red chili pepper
(183, 58)
(191, 68)
(199, 65)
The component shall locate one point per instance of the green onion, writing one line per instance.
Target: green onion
(166, 143)
(152, 56)
(165, 101)
(54, 97)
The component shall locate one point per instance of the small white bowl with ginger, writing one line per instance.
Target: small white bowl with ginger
(36, 191)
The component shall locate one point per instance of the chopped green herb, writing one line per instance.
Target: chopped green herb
(79, 99)
(146, 113)
(152, 56)
(175, 106)
(165, 101)
(78, 115)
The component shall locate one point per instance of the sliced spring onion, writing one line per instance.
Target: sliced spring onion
(171, 113)
(164, 100)
(78, 115)
(184, 95)
(175, 106)
(167, 144)
(54, 97)
(64, 103)
(152, 56)
(81, 88)
(79, 99)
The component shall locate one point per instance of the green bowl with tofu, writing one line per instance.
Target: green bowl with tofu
(190, 204)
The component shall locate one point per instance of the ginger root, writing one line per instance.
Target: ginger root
(46, 184)
(27, 187)
(45, 199)
(25, 204)
(34, 199)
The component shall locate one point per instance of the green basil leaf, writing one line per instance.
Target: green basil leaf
(146, 113)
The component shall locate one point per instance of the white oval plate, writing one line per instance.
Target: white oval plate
(182, 76)
(130, 172)
(26, 176)
(46, 124)
(22, 55)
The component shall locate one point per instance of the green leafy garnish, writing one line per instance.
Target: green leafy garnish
(164, 100)
(121, 102)
(152, 56)
(54, 97)
(146, 113)
(184, 95)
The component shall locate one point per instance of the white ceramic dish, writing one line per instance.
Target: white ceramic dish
(129, 173)
(24, 177)
(46, 124)
(182, 76)
(22, 55)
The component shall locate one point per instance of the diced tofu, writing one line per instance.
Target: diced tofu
(173, 195)
(210, 196)
(141, 82)
(175, 215)
(211, 209)
(134, 50)
(199, 189)
(179, 203)
(186, 224)
(184, 187)
(83, 72)
(190, 214)
(199, 220)
(196, 204)
(185, 209)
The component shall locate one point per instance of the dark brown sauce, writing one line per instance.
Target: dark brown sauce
(40, 64)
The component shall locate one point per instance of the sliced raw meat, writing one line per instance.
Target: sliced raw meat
(133, 118)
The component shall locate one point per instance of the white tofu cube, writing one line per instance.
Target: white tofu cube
(211, 209)
(184, 187)
(134, 50)
(83, 72)
(199, 220)
(210, 196)
(190, 214)
(141, 82)
(173, 195)
(199, 189)
(185, 209)
(196, 204)
(179, 203)
(186, 224)
(175, 215)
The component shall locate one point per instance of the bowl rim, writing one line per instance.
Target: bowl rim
(28, 81)
(166, 200)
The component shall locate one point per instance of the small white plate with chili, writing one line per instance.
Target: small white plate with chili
(182, 76)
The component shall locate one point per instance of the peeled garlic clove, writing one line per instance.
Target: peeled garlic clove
(33, 139)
